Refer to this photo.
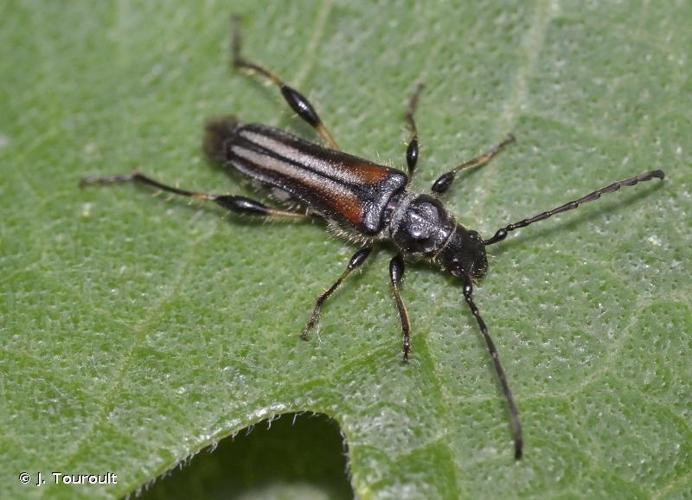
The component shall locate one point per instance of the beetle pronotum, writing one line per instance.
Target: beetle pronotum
(360, 201)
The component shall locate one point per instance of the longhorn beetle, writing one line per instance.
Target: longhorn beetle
(360, 201)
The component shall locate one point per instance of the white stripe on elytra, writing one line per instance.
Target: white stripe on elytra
(334, 170)
(303, 176)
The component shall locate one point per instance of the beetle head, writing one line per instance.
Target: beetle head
(464, 254)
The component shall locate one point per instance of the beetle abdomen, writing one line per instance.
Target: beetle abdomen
(216, 133)
(341, 187)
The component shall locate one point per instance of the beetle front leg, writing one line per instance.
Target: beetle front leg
(356, 261)
(443, 182)
(396, 274)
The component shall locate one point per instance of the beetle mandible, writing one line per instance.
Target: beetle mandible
(360, 201)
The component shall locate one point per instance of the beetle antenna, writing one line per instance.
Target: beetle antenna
(501, 234)
(513, 411)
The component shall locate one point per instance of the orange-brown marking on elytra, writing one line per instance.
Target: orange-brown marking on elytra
(367, 173)
(351, 210)
(342, 204)
(345, 205)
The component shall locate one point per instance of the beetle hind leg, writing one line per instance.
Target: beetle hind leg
(233, 203)
(297, 101)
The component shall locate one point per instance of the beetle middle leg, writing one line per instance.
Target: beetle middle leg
(412, 148)
(356, 261)
(443, 182)
(297, 101)
(233, 203)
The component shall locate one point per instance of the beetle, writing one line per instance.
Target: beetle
(361, 201)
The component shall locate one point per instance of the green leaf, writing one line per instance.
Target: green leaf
(135, 331)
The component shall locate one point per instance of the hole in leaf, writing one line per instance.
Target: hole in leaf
(297, 456)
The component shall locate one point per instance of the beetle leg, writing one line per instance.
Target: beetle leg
(445, 180)
(396, 274)
(412, 148)
(233, 203)
(297, 101)
(356, 261)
